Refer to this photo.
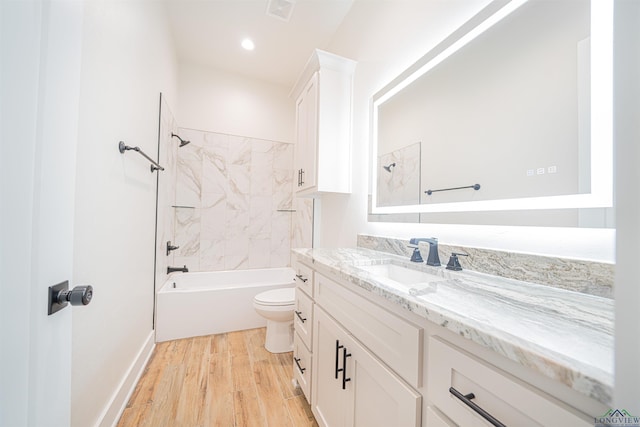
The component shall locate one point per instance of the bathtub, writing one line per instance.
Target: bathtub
(203, 303)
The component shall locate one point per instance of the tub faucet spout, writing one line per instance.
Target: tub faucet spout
(183, 269)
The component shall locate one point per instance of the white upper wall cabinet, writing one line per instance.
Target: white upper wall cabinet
(323, 95)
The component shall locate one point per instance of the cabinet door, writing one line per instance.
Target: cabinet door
(307, 135)
(379, 398)
(353, 388)
(328, 399)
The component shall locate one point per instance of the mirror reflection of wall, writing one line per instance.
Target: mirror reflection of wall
(506, 103)
(510, 110)
(399, 176)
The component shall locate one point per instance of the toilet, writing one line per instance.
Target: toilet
(277, 307)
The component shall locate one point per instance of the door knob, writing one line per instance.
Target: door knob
(60, 296)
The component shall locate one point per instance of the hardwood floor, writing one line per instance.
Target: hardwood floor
(221, 380)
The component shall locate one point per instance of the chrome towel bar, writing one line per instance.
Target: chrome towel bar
(474, 186)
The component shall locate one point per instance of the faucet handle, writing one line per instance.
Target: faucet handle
(416, 256)
(454, 262)
(171, 247)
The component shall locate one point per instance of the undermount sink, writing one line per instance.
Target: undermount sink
(400, 274)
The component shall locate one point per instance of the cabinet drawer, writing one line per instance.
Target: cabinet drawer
(304, 278)
(395, 341)
(302, 366)
(303, 317)
(507, 399)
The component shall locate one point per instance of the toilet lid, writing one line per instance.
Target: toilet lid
(284, 296)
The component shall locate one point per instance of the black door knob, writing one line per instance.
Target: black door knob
(80, 295)
(60, 296)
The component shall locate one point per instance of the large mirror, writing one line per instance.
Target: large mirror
(507, 121)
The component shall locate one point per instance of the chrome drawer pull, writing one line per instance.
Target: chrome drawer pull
(299, 314)
(297, 360)
(301, 277)
(466, 399)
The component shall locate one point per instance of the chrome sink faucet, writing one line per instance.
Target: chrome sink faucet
(433, 259)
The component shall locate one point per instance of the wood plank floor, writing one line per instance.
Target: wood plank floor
(221, 380)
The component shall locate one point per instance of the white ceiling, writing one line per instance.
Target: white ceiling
(209, 32)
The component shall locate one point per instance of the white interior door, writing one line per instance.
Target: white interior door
(41, 50)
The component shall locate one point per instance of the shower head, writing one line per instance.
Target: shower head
(388, 168)
(182, 141)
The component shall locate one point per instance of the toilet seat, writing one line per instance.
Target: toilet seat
(276, 297)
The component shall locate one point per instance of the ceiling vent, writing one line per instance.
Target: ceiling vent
(281, 9)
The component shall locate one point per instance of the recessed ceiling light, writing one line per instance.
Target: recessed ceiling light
(248, 44)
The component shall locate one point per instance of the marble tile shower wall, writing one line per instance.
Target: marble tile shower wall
(400, 185)
(235, 201)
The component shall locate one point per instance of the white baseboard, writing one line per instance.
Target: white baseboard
(112, 412)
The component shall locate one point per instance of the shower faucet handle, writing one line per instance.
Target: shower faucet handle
(171, 247)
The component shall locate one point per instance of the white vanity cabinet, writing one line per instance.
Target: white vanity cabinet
(370, 362)
(351, 387)
(303, 328)
(323, 125)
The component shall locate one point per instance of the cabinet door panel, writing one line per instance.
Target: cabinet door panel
(329, 401)
(307, 135)
(380, 397)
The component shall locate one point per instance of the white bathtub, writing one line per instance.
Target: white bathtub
(194, 304)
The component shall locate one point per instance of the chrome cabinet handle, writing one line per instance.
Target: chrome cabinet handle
(302, 278)
(297, 360)
(466, 399)
(344, 368)
(338, 347)
(299, 314)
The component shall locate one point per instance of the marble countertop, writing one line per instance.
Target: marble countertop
(564, 335)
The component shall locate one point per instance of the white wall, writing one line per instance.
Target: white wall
(627, 131)
(216, 101)
(447, 109)
(127, 61)
(385, 38)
